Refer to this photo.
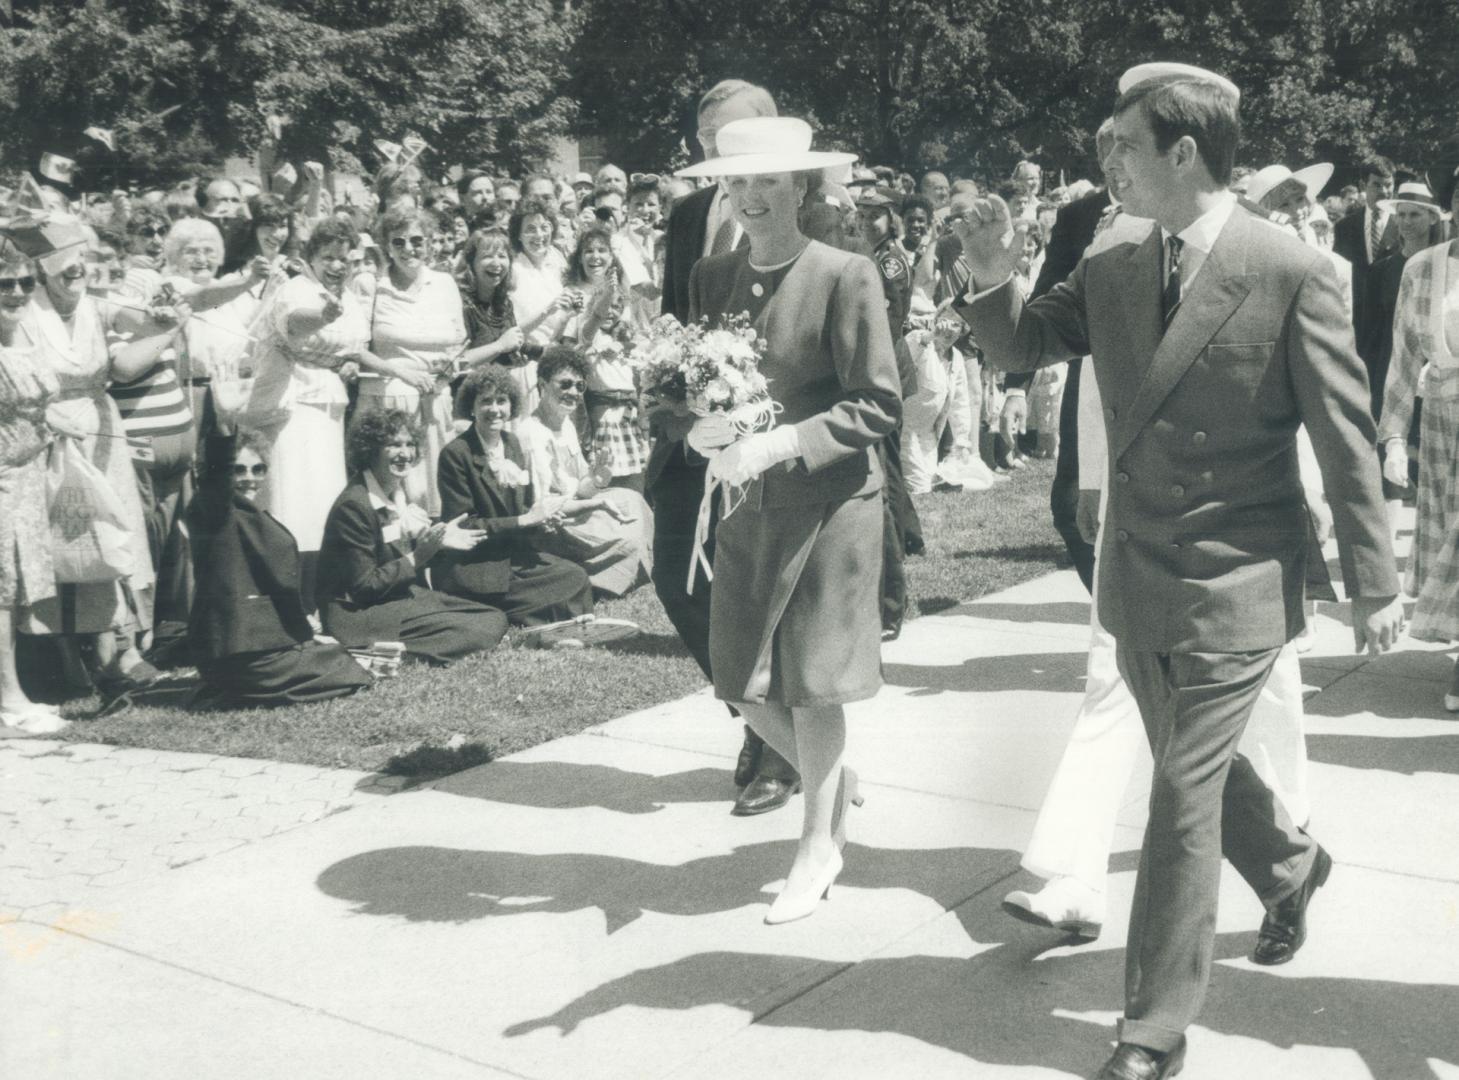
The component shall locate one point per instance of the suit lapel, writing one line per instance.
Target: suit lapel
(1138, 292)
(1218, 291)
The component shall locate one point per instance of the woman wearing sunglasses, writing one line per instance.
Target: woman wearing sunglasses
(606, 530)
(418, 334)
(26, 572)
(249, 631)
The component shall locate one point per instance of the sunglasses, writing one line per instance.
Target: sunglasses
(570, 384)
(25, 284)
(153, 232)
(416, 243)
(73, 273)
(250, 470)
(645, 178)
(604, 213)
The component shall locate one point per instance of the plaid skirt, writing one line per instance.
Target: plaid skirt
(617, 439)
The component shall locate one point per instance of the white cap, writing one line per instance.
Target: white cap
(1145, 72)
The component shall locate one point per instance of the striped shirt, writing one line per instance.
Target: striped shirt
(154, 403)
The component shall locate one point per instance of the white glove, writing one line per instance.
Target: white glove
(739, 463)
(1395, 463)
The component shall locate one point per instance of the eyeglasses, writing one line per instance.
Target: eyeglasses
(250, 470)
(416, 243)
(570, 384)
(25, 284)
(114, 273)
(73, 273)
(604, 213)
(645, 178)
(153, 232)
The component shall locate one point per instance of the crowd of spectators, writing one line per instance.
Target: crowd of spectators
(409, 417)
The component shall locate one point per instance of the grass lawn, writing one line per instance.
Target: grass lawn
(426, 722)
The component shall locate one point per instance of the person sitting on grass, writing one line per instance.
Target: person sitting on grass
(483, 474)
(607, 530)
(248, 630)
(377, 546)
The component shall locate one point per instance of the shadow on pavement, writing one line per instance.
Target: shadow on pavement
(999, 1006)
(436, 884)
(1061, 672)
(557, 785)
(1420, 754)
(1074, 613)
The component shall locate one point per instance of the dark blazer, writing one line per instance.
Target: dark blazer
(469, 487)
(1376, 348)
(246, 565)
(1205, 543)
(1074, 227)
(683, 247)
(1349, 242)
(829, 359)
(358, 569)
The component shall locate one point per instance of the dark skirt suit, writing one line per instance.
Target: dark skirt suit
(247, 629)
(795, 610)
(370, 590)
(506, 570)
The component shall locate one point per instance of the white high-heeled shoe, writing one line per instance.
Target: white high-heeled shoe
(788, 907)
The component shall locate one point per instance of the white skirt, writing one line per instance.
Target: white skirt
(306, 470)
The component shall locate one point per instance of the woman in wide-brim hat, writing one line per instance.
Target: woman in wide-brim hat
(795, 627)
(1426, 332)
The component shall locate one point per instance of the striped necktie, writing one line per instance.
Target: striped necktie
(1375, 234)
(1170, 295)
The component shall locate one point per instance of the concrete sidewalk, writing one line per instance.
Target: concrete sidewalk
(590, 910)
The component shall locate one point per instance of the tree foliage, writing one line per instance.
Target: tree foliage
(938, 83)
(186, 83)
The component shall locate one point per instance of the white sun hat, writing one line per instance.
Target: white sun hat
(1264, 181)
(1414, 193)
(765, 144)
(1160, 70)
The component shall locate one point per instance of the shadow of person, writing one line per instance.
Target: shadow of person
(1410, 756)
(568, 785)
(1014, 1005)
(1059, 611)
(1058, 672)
(437, 884)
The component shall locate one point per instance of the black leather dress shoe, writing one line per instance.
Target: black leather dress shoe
(763, 794)
(749, 759)
(1131, 1062)
(1285, 927)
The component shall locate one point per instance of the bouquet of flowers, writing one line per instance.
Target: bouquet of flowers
(713, 374)
(706, 370)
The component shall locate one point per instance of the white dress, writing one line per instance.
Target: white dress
(298, 404)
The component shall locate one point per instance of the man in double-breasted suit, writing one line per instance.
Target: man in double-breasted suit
(703, 224)
(1212, 340)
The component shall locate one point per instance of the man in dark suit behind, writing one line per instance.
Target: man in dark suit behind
(1364, 237)
(703, 224)
(1074, 228)
(1212, 340)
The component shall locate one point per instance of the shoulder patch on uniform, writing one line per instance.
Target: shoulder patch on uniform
(893, 266)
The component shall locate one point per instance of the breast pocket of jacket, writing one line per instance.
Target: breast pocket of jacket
(1247, 366)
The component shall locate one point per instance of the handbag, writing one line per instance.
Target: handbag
(90, 540)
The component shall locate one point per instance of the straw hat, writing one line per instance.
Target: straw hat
(765, 144)
(1414, 193)
(1264, 181)
(1145, 72)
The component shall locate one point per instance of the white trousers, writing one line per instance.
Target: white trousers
(1076, 824)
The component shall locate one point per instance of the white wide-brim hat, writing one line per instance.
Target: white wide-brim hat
(1414, 193)
(1263, 182)
(765, 144)
(1163, 70)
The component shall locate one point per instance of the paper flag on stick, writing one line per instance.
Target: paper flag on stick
(275, 125)
(58, 168)
(103, 136)
(28, 195)
(388, 150)
(414, 146)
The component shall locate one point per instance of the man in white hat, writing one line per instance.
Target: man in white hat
(1212, 341)
(703, 224)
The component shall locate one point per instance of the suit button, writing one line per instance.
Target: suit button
(1123, 534)
(1109, 413)
(1199, 438)
(1177, 490)
(1123, 477)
